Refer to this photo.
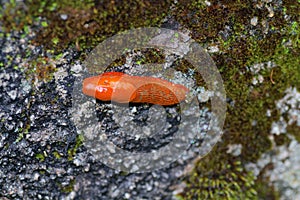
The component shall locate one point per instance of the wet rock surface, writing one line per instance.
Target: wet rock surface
(39, 145)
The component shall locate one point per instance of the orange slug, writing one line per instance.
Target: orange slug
(124, 88)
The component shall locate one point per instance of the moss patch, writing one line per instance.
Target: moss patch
(227, 25)
(220, 177)
(83, 24)
(41, 69)
(67, 188)
(72, 150)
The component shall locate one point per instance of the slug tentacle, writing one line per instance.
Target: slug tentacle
(123, 88)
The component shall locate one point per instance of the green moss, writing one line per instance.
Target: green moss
(294, 130)
(40, 157)
(42, 69)
(83, 24)
(23, 131)
(68, 188)
(56, 155)
(72, 151)
(266, 191)
(220, 177)
(281, 139)
(20, 136)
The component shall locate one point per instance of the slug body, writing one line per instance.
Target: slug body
(123, 88)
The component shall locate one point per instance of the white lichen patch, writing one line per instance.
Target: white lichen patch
(203, 95)
(76, 68)
(254, 21)
(257, 70)
(285, 173)
(213, 49)
(234, 149)
(288, 106)
(279, 126)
